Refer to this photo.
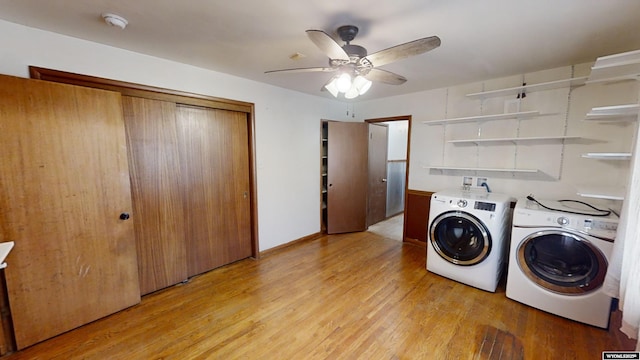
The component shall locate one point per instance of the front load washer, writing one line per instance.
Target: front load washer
(468, 235)
(558, 258)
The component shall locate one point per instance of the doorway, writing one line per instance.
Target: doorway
(396, 172)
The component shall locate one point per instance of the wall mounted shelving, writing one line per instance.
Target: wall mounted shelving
(624, 66)
(602, 192)
(612, 68)
(479, 118)
(557, 84)
(511, 140)
(614, 113)
(607, 156)
(501, 170)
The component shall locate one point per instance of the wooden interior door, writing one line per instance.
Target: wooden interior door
(154, 164)
(64, 183)
(215, 170)
(377, 205)
(346, 177)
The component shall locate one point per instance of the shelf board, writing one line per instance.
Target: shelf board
(607, 156)
(516, 115)
(462, 168)
(616, 67)
(615, 112)
(601, 192)
(516, 139)
(557, 84)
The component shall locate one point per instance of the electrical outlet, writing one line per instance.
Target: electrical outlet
(481, 181)
(467, 181)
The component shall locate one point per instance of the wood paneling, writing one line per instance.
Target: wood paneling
(154, 163)
(64, 184)
(348, 296)
(215, 170)
(347, 177)
(416, 215)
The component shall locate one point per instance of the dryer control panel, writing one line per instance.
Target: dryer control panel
(583, 223)
(595, 224)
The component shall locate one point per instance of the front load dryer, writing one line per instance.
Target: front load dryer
(467, 237)
(559, 256)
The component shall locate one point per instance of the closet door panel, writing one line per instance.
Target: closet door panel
(154, 165)
(215, 169)
(347, 177)
(64, 182)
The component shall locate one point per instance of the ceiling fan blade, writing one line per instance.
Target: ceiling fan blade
(403, 51)
(328, 46)
(301, 70)
(386, 77)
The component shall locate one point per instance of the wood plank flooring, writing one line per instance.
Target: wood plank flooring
(351, 296)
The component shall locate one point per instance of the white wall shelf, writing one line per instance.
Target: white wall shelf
(512, 140)
(624, 66)
(607, 156)
(479, 118)
(502, 170)
(601, 192)
(614, 113)
(573, 82)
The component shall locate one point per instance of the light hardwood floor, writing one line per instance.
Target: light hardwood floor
(352, 296)
(390, 228)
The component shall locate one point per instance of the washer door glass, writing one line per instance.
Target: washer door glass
(460, 238)
(562, 262)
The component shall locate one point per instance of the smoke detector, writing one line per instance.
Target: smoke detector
(115, 20)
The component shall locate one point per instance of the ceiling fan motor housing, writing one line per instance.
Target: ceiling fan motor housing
(356, 51)
(347, 33)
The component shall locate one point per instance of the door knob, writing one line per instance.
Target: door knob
(124, 216)
(384, 180)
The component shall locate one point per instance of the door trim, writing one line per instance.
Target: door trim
(178, 97)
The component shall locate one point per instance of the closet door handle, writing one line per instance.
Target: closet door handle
(124, 216)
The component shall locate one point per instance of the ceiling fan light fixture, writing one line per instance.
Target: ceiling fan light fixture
(343, 82)
(332, 87)
(361, 84)
(351, 93)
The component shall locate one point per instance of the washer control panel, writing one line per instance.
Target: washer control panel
(486, 206)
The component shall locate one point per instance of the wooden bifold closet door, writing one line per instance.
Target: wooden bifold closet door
(215, 185)
(190, 183)
(64, 184)
(191, 159)
(154, 163)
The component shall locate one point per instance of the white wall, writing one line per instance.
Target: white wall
(287, 122)
(563, 170)
(398, 138)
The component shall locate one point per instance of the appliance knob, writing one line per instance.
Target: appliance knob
(462, 203)
(562, 220)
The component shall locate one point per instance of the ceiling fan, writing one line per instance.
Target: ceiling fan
(352, 61)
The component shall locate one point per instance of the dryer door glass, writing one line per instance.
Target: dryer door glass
(460, 238)
(562, 262)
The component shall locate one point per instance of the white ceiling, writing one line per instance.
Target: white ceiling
(481, 39)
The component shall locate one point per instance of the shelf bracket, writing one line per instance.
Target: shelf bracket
(522, 94)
